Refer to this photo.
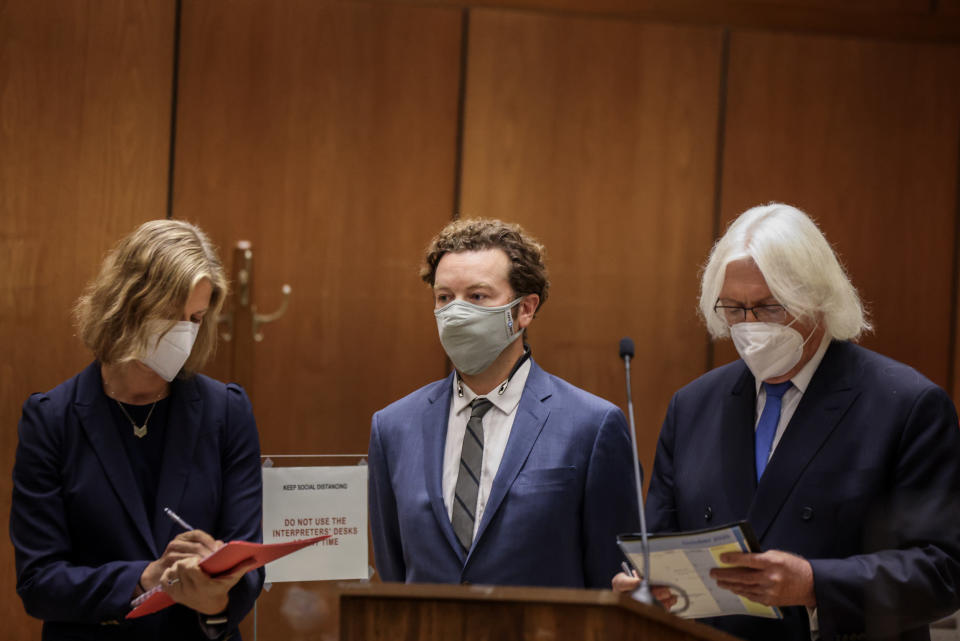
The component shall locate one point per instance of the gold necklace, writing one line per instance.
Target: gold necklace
(138, 430)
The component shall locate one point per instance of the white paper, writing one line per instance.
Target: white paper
(300, 502)
(684, 561)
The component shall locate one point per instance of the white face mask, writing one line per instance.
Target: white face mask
(770, 350)
(171, 350)
(473, 336)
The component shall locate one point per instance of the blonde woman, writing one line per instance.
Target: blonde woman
(101, 455)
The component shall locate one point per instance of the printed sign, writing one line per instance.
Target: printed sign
(303, 502)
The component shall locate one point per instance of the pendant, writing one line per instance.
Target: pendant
(140, 431)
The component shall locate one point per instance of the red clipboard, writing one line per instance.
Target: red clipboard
(221, 562)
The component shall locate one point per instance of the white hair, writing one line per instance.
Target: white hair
(797, 262)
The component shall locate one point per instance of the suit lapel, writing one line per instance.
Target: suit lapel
(183, 431)
(826, 400)
(737, 438)
(529, 421)
(434, 430)
(94, 415)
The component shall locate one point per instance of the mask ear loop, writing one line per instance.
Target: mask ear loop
(526, 349)
(509, 313)
(813, 331)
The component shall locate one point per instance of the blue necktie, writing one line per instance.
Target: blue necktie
(767, 427)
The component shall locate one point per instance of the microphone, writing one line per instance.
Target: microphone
(642, 593)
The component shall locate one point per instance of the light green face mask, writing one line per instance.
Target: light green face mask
(473, 336)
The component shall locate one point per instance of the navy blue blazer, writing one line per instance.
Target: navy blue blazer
(78, 523)
(563, 492)
(864, 484)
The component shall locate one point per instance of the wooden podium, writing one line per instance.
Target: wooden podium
(423, 612)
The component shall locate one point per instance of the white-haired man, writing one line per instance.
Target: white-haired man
(846, 463)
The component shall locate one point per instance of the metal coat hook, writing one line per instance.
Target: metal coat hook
(245, 273)
(263, 319)
(243, 276)
(227, 319)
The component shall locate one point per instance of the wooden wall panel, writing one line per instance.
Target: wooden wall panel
(707, 9)
(577, 130)
(863, 135)
(85, 107)
(907, 19)
(873, 6)
(326, 134)
(949, 8)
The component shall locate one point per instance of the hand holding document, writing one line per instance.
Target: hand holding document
(683, 561)
(220, 562)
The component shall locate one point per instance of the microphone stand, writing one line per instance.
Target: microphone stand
(642, 593)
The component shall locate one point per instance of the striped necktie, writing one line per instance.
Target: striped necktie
(767, 426)
(468, 479)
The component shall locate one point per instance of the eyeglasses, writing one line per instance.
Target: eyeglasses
(734, 314)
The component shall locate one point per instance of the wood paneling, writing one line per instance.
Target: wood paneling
(577, 130)
(910, 19)
(872, 6)
(394, 612)
(325, 133)
(85, 111)
(949, 8)
(863, 136)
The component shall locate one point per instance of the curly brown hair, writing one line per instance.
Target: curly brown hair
(528, 273)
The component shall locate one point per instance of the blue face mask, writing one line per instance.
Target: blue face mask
(474, 336)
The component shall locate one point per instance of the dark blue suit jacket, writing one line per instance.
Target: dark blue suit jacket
(864, 484)
(562, 493)
(78, 523)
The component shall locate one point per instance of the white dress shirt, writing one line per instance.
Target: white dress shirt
(497, 423)
(791, 398)
(788, 405)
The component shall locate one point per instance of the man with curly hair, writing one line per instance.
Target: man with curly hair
(499, 473)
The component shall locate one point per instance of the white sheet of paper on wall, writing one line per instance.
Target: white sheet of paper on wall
(302, 502)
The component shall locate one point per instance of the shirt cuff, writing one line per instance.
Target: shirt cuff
(814, 624)
(213, 625)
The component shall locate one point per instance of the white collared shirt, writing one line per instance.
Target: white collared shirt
(497, 423)
(788, 406)
(791, 399)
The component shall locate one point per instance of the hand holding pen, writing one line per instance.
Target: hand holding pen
(186, 526)
(185, 581)
(192, 543)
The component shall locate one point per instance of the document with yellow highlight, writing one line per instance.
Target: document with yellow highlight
(683, 561)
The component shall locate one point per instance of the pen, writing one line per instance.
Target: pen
(177, 519)
(626, 568)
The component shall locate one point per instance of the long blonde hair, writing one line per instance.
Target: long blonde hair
(148, 276)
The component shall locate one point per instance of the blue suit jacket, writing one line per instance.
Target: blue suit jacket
(77, 520)
(864, 484)
(563, 492)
